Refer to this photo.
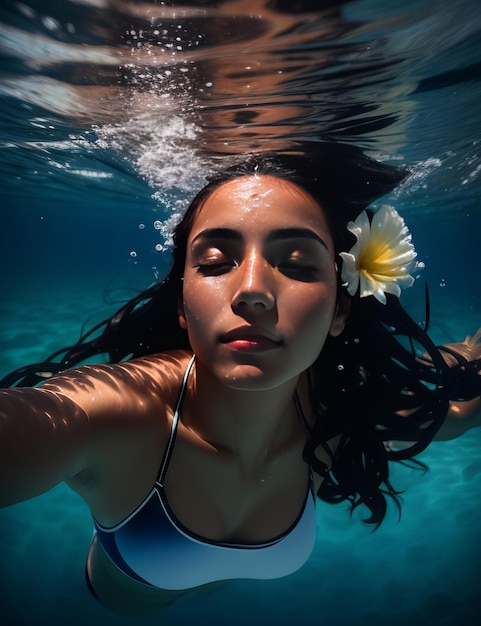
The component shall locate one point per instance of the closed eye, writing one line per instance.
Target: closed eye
(299, 270)
(215, 268)
(300, 262)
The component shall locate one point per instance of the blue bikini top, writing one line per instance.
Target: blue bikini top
(152, 547)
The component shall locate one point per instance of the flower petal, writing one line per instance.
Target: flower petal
(382, 257)
(349, 272)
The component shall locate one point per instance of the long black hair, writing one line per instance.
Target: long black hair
(368, 386)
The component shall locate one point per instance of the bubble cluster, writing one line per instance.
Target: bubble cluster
(417, 180)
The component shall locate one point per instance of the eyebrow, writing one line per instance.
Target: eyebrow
(275, 235)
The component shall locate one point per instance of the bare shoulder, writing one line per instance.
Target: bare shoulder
(125, 390)
(130, 407)
(94, 427)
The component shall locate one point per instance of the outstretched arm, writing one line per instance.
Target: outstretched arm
(463, 416)
(85, 425)
(43, 441)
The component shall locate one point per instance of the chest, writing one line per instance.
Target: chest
(214, 496)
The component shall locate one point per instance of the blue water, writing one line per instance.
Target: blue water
(99, 142)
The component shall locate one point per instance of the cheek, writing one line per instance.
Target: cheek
(311, 315)
(315, 302)
(200, 302)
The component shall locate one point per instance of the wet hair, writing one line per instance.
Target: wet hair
(382, 379)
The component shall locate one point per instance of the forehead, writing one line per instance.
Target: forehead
(262, 202)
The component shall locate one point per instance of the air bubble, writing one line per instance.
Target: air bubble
(26, 10)
(141, 226)
(133, 254)
(159, 247)
(157, 224)
(50, 23)
(340, 367)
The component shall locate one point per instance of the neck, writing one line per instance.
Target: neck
(252, 425)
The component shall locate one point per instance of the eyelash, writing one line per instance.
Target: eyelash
(215, 269)
(296, 267)
(222, 267)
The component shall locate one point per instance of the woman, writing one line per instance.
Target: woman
(274, 362)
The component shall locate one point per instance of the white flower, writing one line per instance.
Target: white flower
(380, 260)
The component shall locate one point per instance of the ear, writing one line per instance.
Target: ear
(181, 314)
(343, 307)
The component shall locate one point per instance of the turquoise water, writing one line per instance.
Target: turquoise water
(102, 138)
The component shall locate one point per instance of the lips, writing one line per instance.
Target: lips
(250, 338)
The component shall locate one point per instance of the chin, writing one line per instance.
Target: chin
(250, 378)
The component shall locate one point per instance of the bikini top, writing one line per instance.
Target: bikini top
(152, 547)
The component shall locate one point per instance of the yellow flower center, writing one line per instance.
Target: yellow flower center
(378, 261)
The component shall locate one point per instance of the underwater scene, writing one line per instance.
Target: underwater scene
(112, 113)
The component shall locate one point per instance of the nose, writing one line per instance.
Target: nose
(255, 287)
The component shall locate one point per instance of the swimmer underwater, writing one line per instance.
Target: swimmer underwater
(274, 363)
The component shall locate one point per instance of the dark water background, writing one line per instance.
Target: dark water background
(111, 113)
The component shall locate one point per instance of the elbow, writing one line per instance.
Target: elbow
(461, 417)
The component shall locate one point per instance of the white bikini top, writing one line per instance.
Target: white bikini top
(153, 547)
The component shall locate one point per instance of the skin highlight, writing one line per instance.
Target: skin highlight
(261, 279)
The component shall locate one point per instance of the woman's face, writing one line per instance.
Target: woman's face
(259, 289)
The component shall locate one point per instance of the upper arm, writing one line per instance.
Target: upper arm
(462, 416)
(81, 422)
(43, 439)
(54, 432)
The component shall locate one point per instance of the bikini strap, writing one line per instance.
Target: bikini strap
(175, 422)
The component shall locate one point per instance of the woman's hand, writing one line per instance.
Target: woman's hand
(469, 349)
